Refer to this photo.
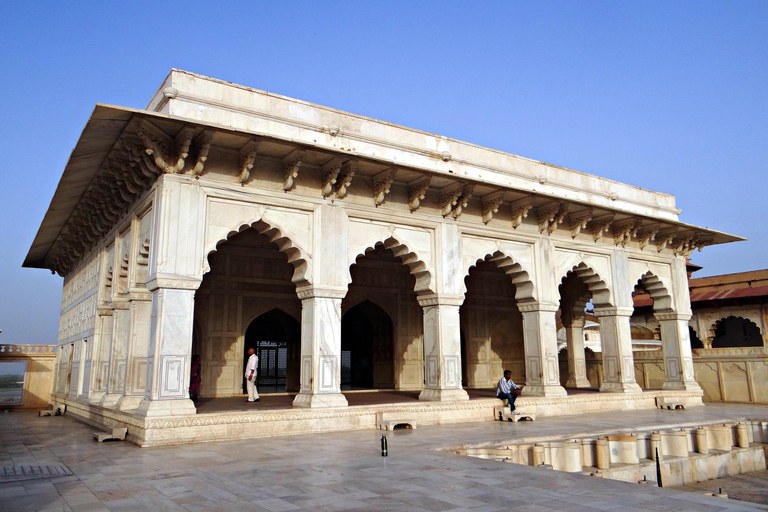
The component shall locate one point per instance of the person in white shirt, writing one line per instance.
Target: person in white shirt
(250, 375)
(504, 391)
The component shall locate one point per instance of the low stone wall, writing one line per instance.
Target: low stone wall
(687, 454)
(38, 379)
(725, 374)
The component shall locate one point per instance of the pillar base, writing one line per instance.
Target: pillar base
(109, 400)
(578, 382)
(534, 390)
(620, 387)
(95, 397)
(681, 386)
(320, 400)
(443, 395)
(129, 402)
(177, 407)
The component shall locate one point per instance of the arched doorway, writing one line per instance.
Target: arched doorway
(276, 336)
(736, 332)
(367, 348)
(493, 326)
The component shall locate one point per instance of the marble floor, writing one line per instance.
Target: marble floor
(334, 471)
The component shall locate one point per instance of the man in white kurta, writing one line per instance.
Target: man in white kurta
(250, 375)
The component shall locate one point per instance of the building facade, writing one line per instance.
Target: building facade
(351, 251)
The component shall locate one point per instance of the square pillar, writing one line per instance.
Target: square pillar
(577, 361)
(442, 348)
(169, 352)
(676, 346)
(102, 345)
(618, 362)
(542, 370)
(320, 349)
(139, 307)
(118, 353)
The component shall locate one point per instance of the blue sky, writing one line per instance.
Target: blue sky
(669, 96)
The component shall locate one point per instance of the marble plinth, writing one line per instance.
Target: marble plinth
(174, 428)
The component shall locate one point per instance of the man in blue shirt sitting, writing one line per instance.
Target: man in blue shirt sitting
(505, 391)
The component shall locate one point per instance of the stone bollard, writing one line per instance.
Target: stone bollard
(676, 443)
(602, 453)
(721, 437)
(656, 445)
(742, 436)
(538, 455)
(702, 445)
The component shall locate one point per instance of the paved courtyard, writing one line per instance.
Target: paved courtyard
(338, 471)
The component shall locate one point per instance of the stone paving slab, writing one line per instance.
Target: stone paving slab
(334, 471)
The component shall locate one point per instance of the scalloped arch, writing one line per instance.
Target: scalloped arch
(749, 321)
(373, 300)
(658, 291)
(297, 257)
(268, 309)
(524, 288)
(412, 260)
(601, 295)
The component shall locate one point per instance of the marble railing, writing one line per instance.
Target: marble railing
(37, 362)
(27, 350)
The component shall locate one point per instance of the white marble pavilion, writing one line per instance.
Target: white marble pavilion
(381, 256)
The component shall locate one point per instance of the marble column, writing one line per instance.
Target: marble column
(139, 308)
(118, 353)
(320, 373)
(442, 348)
(542, 370)
(616, 339)
(577, 362)
(102, 345)
(676, 347)
(76, 370)
(169, 351)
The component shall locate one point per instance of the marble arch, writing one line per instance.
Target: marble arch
(658, 290)
(601, 294)
(297, 257)
(417, 267)
(524, 287)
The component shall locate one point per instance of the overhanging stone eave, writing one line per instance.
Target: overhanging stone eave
(82, 166)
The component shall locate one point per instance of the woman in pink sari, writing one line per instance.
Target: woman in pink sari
(194, 382)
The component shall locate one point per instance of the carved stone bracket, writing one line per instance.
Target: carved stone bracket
(247, 160)
(454, 198)
(201, 147)
(417, 191)
(168, 154)
(578, 221)
(663, 238)
(550, 216)
(344, 180)
(490, 204)
(645, 235)
(599, 226)
(623, 231)
(382, 182)
(330, 172)
(291, 164)
(520, 209)
(143, 258)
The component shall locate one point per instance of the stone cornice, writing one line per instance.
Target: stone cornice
(547, 307)
(326, 292)
(672, 315)
(613, 311)
(156, 282)
(440, 300)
